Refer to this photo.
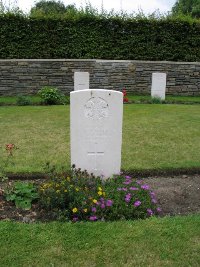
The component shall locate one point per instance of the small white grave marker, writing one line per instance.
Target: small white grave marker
(81, 81)
(158, 87)
(96, 130)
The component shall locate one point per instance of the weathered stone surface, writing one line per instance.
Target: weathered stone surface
(96, 130)
(135, 76)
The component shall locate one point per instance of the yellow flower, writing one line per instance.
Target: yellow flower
(65, 190)
(85, 210)
(100, 193)
(57, 191)
(94, 201)
(74, 210)
(99, 188)
(77, 189)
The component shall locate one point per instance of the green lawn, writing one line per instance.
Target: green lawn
(171, 99)
(12, 100)
(154, 136)
(153, 242)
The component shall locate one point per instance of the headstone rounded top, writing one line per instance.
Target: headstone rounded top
(96, 91)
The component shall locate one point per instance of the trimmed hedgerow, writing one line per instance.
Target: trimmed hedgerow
(103, 38)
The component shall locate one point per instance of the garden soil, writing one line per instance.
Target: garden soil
(177, 195)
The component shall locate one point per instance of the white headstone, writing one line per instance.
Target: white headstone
(81, 81)
(158, 87)
(96, 130)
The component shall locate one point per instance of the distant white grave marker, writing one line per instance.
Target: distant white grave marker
(96, 130)
(158, 87)
(81, 81)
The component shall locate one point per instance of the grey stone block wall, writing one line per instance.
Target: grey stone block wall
(28, 76)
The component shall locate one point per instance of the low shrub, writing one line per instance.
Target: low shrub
(81, 196)
(157, 100)
(51, 96)
(23, 100)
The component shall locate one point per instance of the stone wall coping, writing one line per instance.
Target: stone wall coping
(100, 61)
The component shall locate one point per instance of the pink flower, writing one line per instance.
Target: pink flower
(137, 203)
(103, 206)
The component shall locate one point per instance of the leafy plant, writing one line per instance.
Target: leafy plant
(23, 100)
(51, 96)
(156, 100)
(81, 196)
(22, 193)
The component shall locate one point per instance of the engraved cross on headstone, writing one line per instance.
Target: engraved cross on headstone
(95, 154)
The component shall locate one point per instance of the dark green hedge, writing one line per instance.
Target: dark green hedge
(143, 39)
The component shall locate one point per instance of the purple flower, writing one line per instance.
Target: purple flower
(159, 209)
(127, 200)
(93, 218)
(94, 209)
(153, 200)
(139, 181)
(128, 177)
(127, 182)
(137, 203)
(152, 194)
(75, 219)
(133, 188)
(103, 206)
(128, 197)
(145, 187)
(119, 189)
(150, 212)
(124, 189)
(109, 203)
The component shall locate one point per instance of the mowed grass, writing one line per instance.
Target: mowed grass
(154, 136)
(153, 242)
(169, 98)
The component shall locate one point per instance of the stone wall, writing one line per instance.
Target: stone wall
(28, 76)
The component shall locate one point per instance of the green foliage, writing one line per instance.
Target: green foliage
(22, 193)
(156, 100)
(50, 8)
(81, 196)
(51, 96)
(23, 100)
(87, 35)
(187, 7)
